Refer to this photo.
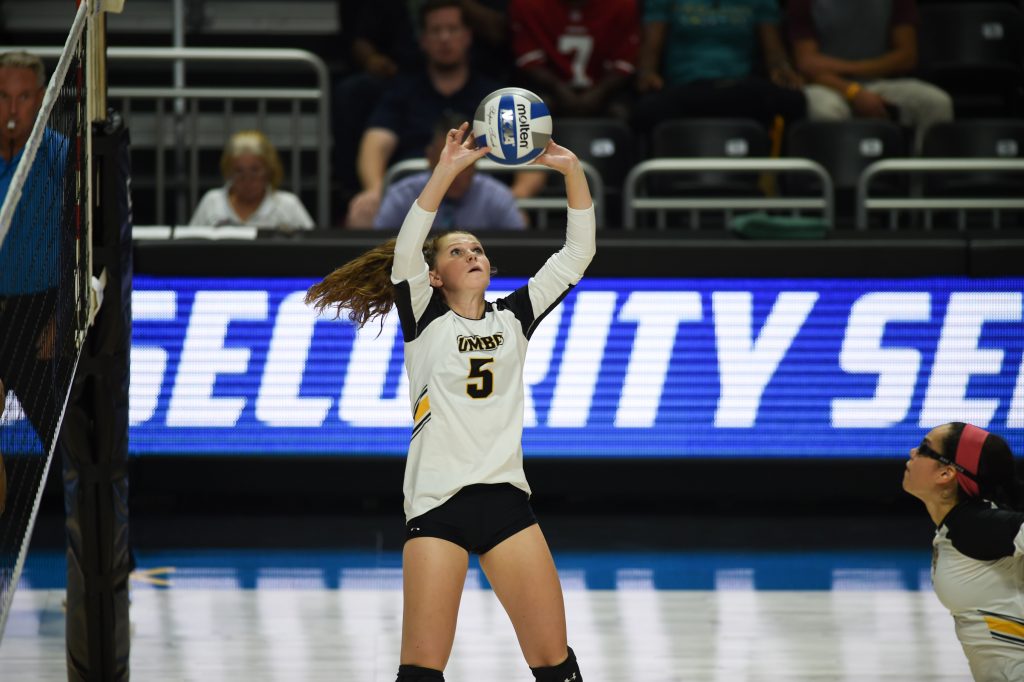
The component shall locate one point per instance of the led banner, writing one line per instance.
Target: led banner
(623, 368)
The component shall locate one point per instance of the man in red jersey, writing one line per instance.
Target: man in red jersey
(579, 55)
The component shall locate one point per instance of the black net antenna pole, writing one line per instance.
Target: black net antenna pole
(94, 439)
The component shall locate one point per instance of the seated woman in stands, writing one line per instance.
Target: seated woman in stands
(251, 195)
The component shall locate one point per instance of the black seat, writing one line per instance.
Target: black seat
(1012, 3)
(844, 148)
(736, 138)
(980, 138)
(975, 52)
(605, 143)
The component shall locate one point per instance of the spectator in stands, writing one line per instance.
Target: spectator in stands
(252, 174)
(384, 39)
(488, 19)
(855, 57)
(402, 124)
(578, 55)
(30, 271)
(473, 200)
(704, 59)
(385, 44)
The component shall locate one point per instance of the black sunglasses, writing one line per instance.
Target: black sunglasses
(927, 451)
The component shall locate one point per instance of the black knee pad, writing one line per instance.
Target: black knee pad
(414, 673)
(566, 671)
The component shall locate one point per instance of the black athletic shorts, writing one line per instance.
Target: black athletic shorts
(477, 518)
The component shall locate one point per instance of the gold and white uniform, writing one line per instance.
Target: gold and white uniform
(466, 376)
(978, 574)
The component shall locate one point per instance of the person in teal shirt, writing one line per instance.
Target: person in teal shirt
(714, 59)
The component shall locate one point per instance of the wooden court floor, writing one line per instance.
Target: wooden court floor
(660, 617)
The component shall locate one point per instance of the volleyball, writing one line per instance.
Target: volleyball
(515, 123)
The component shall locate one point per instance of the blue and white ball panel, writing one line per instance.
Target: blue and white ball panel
(517, 127)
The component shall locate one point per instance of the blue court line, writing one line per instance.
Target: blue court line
(301, 569)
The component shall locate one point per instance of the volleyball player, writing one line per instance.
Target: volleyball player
(965, 477)
(465, 489)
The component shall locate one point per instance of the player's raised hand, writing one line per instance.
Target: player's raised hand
(460, 150)
(459, 153)
(561, 159)
(558, 158)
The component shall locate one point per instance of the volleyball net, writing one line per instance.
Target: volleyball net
(45, 301)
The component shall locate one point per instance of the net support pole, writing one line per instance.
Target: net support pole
(94, 437)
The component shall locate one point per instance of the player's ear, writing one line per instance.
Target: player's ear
(435, 279)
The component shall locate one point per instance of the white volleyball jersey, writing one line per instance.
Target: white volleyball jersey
(978, 574)
(466, 376)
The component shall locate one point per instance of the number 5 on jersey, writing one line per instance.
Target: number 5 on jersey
(480, 382)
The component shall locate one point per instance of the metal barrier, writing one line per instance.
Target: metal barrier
(539, 205)
(631, 203)
(176, 127)
(927, 205)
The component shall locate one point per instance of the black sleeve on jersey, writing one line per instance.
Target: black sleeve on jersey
(981, 532)
(518, 302)
(411, 327)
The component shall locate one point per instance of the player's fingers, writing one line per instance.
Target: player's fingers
(549, 149)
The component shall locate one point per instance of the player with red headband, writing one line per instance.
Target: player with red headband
(966, 478)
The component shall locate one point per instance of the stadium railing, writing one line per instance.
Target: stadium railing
(634, 203)
(929, 205)
(177, 122)
(536, 206)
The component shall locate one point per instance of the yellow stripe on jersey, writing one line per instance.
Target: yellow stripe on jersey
(422, 408)
(1005, 627)
(420, 413)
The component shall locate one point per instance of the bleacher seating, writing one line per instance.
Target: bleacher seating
(974, 51)
(179, 131)
(845, 149)
(995, 139)
(972, 48)
(607, 144)
(976, 139)
(733, 138)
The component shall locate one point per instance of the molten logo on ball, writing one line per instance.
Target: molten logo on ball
(514, 123)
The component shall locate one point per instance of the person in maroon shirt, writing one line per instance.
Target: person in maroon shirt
(578, 55)
(856, 57)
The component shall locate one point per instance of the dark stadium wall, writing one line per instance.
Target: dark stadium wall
(619, 254)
